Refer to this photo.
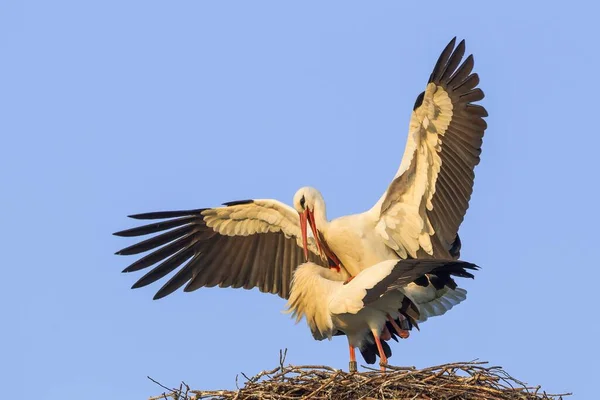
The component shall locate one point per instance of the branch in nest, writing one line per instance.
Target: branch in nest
(462, 380)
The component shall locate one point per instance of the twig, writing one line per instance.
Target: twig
(462, 380)
(172, 392)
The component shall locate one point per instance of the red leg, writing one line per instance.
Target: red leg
(382, 357)
(401, 332)
(352, 359)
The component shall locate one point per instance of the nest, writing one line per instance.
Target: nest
(461, 380)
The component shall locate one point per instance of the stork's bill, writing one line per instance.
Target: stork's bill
(308, 216)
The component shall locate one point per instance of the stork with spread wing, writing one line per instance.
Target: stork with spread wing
(259, 243)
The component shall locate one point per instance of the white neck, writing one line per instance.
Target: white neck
(320, 213)
(321, 219)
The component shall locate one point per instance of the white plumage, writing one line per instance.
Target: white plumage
(260, 243)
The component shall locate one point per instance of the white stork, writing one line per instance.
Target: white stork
(259, 243)
(366, 303)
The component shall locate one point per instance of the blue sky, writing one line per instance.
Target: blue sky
(111, 108)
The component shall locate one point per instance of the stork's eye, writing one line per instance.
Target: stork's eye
(302, 201)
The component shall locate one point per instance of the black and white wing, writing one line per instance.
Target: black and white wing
(422, 209)
(252, 243)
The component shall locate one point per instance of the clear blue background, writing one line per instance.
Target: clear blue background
(109, 108)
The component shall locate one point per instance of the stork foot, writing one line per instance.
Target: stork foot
(382, 363)
(352, 367)
(403, 333)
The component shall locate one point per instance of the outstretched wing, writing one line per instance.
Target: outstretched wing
(251, 243)
(422, 209)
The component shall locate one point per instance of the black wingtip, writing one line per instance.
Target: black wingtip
(238, 202)
(125, 233)
(460, 49)
(136, 285)
(162, 293)
(472, 266)
(158, 297)
(150, 215)
(465, 266)
(166, 214)
(137, 216)
(440, 64)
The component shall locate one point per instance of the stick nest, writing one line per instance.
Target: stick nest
(461, 380)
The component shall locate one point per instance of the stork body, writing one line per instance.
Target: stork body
(260, 243)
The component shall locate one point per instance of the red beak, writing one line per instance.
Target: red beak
(309, 216)
(303, 219)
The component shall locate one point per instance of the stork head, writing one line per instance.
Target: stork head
(306, 200)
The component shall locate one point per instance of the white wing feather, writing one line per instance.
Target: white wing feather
(404, 225)
(260, 216)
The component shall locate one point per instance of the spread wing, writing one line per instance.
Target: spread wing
(422, 209)
(251, 243)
